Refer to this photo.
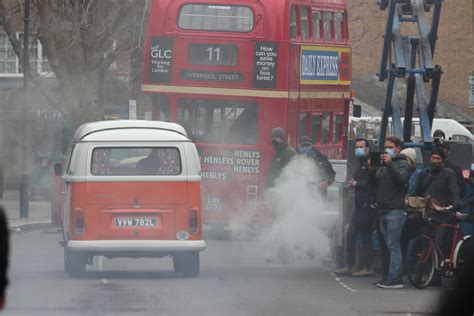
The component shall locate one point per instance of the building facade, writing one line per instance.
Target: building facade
(454, 48)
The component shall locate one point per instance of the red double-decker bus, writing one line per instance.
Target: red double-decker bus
(231, 70)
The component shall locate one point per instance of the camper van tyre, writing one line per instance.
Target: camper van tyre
(186, 263)
(77, 264)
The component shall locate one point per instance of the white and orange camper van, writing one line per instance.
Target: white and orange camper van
(131, 189)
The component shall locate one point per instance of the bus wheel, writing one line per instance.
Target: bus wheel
(186, 263)
(77, 264)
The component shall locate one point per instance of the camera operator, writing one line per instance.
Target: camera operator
(389, 182)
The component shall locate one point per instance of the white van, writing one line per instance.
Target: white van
(369, 127)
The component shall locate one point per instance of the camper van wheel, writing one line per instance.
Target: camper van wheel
(77, 264)
(186, 263)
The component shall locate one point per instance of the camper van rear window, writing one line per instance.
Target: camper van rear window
(136, 161)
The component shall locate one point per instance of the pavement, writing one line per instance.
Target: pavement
(39, 212)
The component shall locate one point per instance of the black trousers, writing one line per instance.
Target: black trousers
(362, 221)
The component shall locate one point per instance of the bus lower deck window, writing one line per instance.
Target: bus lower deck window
(215, 121)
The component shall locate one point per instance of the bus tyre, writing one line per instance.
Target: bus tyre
(186, 263)
(77, 264)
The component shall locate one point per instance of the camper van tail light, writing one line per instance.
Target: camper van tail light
(193, 221)
(80, 222)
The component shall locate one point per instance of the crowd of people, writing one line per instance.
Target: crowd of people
(382, 184)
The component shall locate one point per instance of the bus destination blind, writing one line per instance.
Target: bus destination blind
(212, 54)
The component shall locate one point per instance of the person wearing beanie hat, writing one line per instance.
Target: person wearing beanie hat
(410, 153)
(413, 223)
(278, 132)
(283, 155)
(325, 172)
(450, 165)
(438, 183)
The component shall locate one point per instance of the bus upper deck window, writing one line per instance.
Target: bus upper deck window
(293, 26)
(304, 23)
(327, 18)
(210, 17)
(316, 20)
(338, 20)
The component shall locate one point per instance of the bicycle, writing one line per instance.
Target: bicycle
(424, 256)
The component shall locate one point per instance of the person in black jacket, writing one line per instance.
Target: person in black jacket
(326, 174)
(283, 155)
(467, 202)
(4, 253)
(389, 182)
(438, 181)
(450, 165)
(363, 217)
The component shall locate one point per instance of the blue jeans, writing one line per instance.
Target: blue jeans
(391, 225)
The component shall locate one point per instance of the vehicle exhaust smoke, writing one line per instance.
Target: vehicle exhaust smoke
(302, 217)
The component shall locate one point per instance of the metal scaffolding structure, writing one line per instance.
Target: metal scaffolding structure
(409, 59)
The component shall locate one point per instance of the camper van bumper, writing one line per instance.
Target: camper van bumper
(135, 245)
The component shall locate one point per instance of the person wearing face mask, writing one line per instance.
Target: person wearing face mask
(283, 155)
(362, 218)
(439, 183)
(450, 165)
(389, 182)
(326, 174)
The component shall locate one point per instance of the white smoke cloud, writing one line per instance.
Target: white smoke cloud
(299, 232)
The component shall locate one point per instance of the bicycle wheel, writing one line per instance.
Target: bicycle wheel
(461, 256)
(420, 261)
